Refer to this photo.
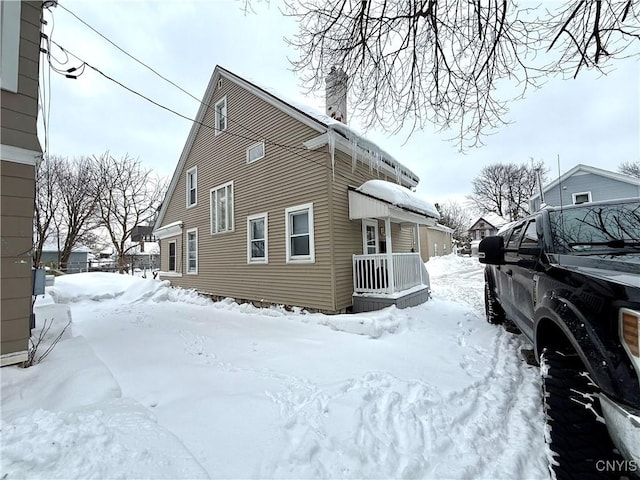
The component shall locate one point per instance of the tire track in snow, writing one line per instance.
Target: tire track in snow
(381, 426)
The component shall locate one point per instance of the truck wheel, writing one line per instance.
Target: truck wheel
(577, 437)
(495, 313)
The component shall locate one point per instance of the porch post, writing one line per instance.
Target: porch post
(387, 231)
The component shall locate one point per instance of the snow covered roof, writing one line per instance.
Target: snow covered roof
(492, 219)
(368, 151)
(399, 196)
(53, 247)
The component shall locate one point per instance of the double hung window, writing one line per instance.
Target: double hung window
(192, 251)
(192, 186)
(257, 239)
(300, 246)
(221, 116)
(222, 208)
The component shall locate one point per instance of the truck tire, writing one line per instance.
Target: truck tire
(495, 313)
(578, 440)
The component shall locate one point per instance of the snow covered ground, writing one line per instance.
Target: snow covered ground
(155, 382)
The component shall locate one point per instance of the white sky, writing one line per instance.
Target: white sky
(592, 120)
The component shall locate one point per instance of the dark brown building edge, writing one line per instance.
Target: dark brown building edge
(19, 153)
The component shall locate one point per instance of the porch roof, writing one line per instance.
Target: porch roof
(364, 205)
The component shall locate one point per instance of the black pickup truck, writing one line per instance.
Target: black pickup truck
(569, 279)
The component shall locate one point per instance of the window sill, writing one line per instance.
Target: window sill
(170, 274)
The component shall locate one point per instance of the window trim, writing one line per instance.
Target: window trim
(250, 259)
(230, 214)
(187, 251)
(217, 131)
(574, 195)
(264, 151)
(175, 256)
(311, 258)
(10, 16)
(194, 171)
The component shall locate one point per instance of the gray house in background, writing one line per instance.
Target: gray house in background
(79, 260)
(586, 184)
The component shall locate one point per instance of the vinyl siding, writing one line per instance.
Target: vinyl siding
(16, 227)
(601, 188)
(347, 234)
(284, 178)
(287, 176)
(19, 111)
(428, 240)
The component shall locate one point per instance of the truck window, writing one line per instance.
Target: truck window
(514, 238)
(530, 237)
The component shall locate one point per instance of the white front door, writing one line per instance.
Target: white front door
(370, 237)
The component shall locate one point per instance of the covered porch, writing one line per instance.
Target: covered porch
(390, 271)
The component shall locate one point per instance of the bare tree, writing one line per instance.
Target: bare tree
(455, 216)
(65, 206)
(129, 196)
(77, 184)
(630, 168)
(435, 61)
(506, 188)
(46, 203)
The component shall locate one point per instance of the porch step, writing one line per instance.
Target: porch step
(370, 303)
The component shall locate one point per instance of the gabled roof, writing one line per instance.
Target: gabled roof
(492, 219)
(581, 168)
(323, 124)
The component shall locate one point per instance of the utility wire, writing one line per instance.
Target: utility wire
(129, 55)
(150, 68)
(208, 105)
(290, 148)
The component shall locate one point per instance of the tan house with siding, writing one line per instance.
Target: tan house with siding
(19, 152)
(273, 203)
(435, 241)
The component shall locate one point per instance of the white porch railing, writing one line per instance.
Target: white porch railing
(371, 273)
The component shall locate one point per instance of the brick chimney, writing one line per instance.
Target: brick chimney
(336, 94)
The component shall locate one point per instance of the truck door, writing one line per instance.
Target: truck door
(505, 275)
(524, 271)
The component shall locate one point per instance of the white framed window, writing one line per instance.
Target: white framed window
(582, 197)
(192, 186)
(222, 208)
(299, 234)
(221, 115)
(192, 251)
(9, 45)
(255, 152)
(172, 256)
(258, 238)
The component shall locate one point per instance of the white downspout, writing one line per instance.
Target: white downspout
(387, 228)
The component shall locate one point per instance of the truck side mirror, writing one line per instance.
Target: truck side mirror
(491, 250)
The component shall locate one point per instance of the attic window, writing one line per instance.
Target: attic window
(582, 197)
(221, 115)
(255, 152)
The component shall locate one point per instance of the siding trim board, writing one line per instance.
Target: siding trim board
(9, 153)
(13, 358)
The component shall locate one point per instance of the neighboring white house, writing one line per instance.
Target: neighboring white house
(584, 184)
(486, 225)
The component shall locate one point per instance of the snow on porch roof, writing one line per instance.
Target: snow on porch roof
(399, 196)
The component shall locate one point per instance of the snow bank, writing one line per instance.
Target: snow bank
(398, 195)
(66, 418)
(129, 289)
(439, 266)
